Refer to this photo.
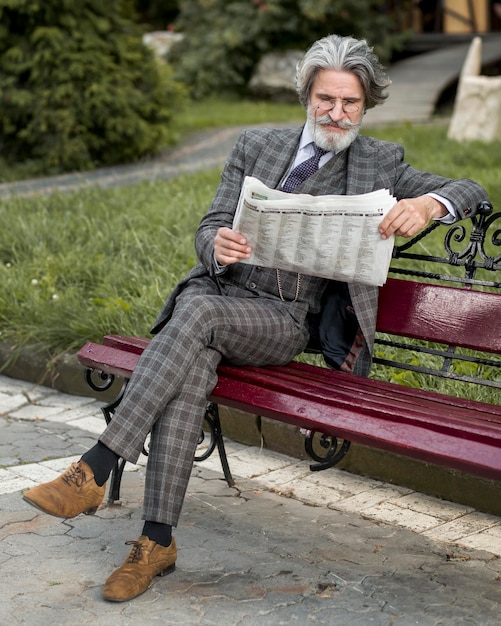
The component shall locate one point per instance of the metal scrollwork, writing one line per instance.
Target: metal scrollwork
(333, 449)
(216, 440)
(473, 244)
(476, 255)
(106, 380)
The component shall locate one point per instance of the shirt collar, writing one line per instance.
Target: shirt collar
(306, 137)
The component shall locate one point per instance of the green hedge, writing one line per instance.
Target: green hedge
(77, 87)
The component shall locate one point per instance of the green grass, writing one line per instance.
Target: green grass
(217, 113)
(75, 266)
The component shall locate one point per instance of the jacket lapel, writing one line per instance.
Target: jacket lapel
(272, 163)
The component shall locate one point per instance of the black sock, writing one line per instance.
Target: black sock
(101, 460)
(159, 533)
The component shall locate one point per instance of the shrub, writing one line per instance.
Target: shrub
(224, 39)
(77, 87)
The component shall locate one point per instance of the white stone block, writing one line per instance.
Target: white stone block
(477, 110)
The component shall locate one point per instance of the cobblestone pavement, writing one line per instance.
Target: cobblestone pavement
(284, 546)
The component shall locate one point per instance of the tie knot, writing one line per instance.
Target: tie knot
(319, 152)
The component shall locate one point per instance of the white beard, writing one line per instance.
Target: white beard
(328, 140)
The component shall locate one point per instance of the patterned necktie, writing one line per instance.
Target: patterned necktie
(304, 170)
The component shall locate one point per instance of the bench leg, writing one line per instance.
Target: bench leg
(116, 474)
(115, 481)
(212, 418)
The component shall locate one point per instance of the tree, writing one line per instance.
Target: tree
(77, 86)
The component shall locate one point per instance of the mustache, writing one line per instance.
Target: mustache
(342, 124)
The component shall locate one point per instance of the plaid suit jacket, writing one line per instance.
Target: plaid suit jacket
(368, 164)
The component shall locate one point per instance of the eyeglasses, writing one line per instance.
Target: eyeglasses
(348, 106)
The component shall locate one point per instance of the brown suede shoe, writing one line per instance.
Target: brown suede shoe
(146, 560)
(74, 492)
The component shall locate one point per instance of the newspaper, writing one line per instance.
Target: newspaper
(331, 236)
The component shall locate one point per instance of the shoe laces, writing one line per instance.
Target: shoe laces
(136, 553)
(74, 474)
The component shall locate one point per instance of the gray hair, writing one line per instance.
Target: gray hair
(343, 54)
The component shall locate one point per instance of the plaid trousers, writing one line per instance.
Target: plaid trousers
(168, 390)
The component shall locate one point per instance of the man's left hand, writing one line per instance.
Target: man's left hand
(411, 215)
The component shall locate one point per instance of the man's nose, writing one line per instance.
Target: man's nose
(337, 113)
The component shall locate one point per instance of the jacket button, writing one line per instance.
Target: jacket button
(253, 285)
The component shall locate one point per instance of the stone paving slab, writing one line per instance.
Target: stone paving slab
(283, 546)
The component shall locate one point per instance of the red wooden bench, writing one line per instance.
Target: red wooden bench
(457, 327)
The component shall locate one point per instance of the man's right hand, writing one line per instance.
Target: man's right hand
(230, 246)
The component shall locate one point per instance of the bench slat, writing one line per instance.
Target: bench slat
(351, 385)
(107, 359)
(130, 344)
(459, 317)
(330, 388)
(394, 405)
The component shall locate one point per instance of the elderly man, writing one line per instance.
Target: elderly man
(254, 315)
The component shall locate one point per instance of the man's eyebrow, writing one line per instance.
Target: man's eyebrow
(327, 96)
